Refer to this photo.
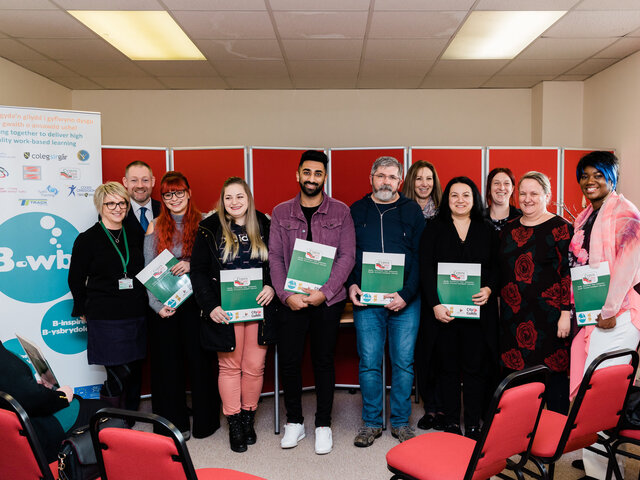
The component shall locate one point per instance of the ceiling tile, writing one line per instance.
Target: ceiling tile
(516, 81)
(47, 68)
(27, 5)
(240, 49)
(417, 5)
(129, 83)
(245, 68)
(525, 4)
(621, 48)
(100, 68)
(223, 24)
(571, 78)
(325, 69)
(470, 81)
(323, 49)
(14, 50)
(456, 68)
(194, 83)
(578, 24)
(321, 25)
(68, 49)
(394, 68)
(77, 83)
(390, 82)
(415, 24)
(404, 49)
(608, 5)
(592, 66)
(538, 67)
(42, 24)
(257, 83)
(326, 5)
(185, 68)
(110, 4)
(556, 48)
(325, 83)
(256, 5)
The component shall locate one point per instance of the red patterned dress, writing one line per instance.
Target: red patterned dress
(536, 285)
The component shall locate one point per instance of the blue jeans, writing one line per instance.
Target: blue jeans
(371, 325)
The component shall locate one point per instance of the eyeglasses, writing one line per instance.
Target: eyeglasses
(113, 205)
(178, 194)
(382, 177)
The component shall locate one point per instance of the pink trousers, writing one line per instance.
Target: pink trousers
(241, 371)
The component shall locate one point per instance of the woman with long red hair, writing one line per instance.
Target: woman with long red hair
(173, 334)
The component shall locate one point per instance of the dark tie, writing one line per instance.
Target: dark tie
(144, 223)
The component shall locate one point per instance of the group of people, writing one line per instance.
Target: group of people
(525, 298)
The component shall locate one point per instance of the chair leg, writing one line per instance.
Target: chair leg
(612, 463)
(552, 471)
(541, 468)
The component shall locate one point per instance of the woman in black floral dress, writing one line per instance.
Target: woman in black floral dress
(536, 283)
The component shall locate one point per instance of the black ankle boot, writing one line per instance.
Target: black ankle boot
(237, 441)
(247, 426)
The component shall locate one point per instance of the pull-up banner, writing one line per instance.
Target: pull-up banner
(50, 166)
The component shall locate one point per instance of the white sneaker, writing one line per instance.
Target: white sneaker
(293, 433)
(324, 440)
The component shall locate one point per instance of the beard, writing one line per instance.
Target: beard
(384, 193)
(311, 189)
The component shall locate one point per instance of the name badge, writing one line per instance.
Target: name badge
(125, 284)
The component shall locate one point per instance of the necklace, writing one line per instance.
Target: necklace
(116, 239)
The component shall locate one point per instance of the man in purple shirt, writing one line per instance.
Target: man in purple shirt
(311, 215)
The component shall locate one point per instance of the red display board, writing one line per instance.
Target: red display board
(207, 169)
(522, 160)
(116, 159)
(274, 175)
(452, 162)
(350, 170)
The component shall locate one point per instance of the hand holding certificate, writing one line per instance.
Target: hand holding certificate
(239, 292)
(590, 288)
(382, 274)
(310, 266)
(457, 284)
(170, 289)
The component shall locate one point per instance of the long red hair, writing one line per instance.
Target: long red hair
(166, 225)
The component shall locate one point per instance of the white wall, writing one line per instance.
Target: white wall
(612, 118)
(336, 118)
(21, 88)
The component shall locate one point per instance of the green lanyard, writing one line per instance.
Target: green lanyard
(126, 246)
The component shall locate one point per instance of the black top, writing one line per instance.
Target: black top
(498, 224)
(243, 259)
(94, 272)
(308, 213)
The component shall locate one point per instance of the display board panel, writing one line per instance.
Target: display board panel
(351, 167)
(115, 160)
(207, 168)
(452, 162)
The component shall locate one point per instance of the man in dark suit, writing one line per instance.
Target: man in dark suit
(139, 181)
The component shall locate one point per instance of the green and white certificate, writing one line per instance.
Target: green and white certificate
(310, 266)
(457, 283)
(590, 288)
(382, 273)
(170, 289)
(238, 292)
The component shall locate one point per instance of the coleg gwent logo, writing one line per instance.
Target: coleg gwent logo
(35, 252)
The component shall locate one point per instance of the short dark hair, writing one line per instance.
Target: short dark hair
(477, 212)
(605, 162)
(314, 156)
(138, 163)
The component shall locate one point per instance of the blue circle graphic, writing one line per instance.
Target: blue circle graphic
(14, 347)
(35, 251)
(61, 332)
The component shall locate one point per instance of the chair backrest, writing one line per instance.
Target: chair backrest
(599, 402)
(510, 423)
(21, 457)
(126, 454)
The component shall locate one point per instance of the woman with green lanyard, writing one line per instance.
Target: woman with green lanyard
(106, 294)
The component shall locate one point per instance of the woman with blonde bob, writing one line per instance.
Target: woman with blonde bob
(236, 237)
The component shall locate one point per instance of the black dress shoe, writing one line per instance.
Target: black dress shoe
(453, 428)
(439, 422)
(426, 422)
(472, 432)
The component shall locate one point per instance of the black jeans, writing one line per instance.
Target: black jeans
(322, 324)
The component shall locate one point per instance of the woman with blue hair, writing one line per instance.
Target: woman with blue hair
(608, 230)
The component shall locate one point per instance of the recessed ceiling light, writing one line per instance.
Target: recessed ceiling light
(141, 35)
(498, 35)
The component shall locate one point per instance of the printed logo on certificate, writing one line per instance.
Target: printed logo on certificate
(238, 292)
(310, 266)
(170, 289)
(590, 289)
(382, 273)
(457, 283)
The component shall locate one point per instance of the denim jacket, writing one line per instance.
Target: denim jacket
(331, 225)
